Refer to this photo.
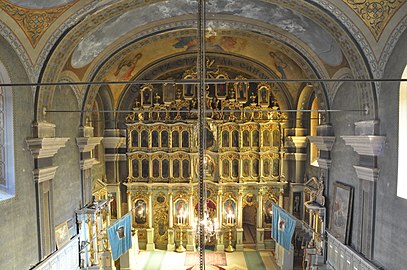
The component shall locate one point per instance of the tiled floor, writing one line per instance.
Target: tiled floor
(166, 260)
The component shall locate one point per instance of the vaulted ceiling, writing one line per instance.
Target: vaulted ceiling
(110, 40)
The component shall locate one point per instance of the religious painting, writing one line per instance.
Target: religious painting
(189, 89)
(246, 138)
(276, 138)
(165, 168)
(185, 139)
(235, 168)
(164, 138)
(140, 212)
(156, 168)
(185, 168)
(276, 167)
(246, 168)
(154, 138)
(146, 95)
(266, 167)
(134, 138)
(144, 138)
(175, 139)
(255, 141)
(225, 168)
(134, 166)
(235, 138)
(255, 167)
(175, 169)
(145, 168)
(113, 205)
(264, 94)
(221, 88)
(341, 212)
(229, 210)
(225, 138)
(168, 93)
(297, 204)
(62, 234)
(181, 212)
(241, 89)
(266, 138)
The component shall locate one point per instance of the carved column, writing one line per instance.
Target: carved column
(171, 243)
(150, 231)
(43, 148)
(260, 230)
(191, 238)
(281, 198)
(368, 147)
(239, 229)
(219, 238)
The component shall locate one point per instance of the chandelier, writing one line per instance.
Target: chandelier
(209, 224)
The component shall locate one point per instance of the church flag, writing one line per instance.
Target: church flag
(283, 227)
(119, 234)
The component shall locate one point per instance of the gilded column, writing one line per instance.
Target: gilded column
(129, 204)
(240, 209)
(150, 231)
(239, 229)
(260, 230)
(281, 198)
(191, 238)
(171, 240)
(219, 237)
(170, 211)
(150, 208)
(260, 210)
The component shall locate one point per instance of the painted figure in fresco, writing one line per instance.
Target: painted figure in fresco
(279, 63)
(126, 67)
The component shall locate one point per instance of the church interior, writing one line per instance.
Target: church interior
(245, 134)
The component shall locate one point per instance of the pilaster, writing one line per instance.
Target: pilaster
(368, 146)
(295, 156)
(43, 147)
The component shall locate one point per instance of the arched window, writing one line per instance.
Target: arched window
(7, 187)
(402, 157)
(314, 121)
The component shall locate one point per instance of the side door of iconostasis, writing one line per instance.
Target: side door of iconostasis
(160, 220)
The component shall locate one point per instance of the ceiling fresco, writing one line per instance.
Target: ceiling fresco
(319, 40)
(375, 14)
(137, 57)
(33, 21)
(40, 3)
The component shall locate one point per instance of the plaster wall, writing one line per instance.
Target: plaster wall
(18, 226)
(67, 181)
(343, 156)
(391, 211)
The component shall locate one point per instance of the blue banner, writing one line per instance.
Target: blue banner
(119, 234)
(283, 227)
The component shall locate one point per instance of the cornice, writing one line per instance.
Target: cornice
(45, 147)
(369, 145)
(324, 143)
(365, 173)
(87, 144)
(44, 174)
